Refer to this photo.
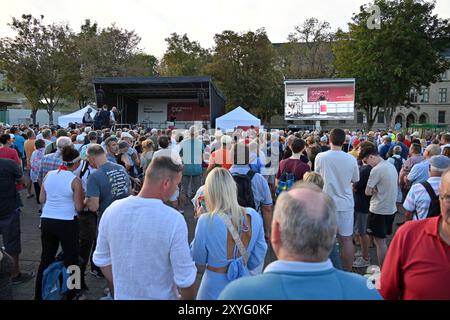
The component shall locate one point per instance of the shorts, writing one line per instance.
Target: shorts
(344, 221)
(10, 229)
(270, 179)
(379, 225)
(361, 222)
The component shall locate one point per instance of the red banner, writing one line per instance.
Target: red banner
(331, 94)
(187, 111)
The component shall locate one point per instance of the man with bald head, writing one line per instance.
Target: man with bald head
(302, 238)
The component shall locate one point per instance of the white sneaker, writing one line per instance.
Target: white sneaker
(360, 262)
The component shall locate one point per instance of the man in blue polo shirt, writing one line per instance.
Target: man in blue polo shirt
(302, 238)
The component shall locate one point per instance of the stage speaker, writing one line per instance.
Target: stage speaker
(201, 99)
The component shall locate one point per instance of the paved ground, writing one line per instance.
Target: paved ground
(31, 250)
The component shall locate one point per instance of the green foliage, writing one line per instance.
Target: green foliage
(245, 67)
(40, 61)
(109, 52)
(388, 62)
(308, 53)
(183, 57)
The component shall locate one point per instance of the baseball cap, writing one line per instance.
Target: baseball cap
(440, 163)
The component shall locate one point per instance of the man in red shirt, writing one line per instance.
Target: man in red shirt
(6, 152)
(417, 265)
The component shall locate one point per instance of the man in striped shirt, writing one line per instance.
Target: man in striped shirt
(53, 160)
(418, 201)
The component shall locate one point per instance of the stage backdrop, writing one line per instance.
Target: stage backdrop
(161, 111)
(321, 99)
(187, 111)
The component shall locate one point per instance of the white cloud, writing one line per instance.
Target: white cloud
(200, 19)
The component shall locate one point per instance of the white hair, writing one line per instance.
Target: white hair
(61, 142)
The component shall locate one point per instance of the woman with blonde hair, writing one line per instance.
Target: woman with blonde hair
(147, 154)
(313, 178)
(229, 239)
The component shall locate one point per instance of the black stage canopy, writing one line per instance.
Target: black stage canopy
(125, 92)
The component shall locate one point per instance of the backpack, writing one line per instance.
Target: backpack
(285, 182)
(435, 208)
(398, 163)
(54, 282)
(244, 188)
(51, 148)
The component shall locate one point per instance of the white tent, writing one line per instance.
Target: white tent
(237, 117)
(77, 116)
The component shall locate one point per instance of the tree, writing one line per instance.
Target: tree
(108, 52)
(308, 53)
(183, 57)
(245, 67)
(387, 63)
(40, 61)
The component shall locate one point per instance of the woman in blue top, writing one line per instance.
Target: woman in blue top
(213, 244)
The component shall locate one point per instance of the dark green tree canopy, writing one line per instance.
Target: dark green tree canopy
(404, 53)
(246, 69)
(183, 57)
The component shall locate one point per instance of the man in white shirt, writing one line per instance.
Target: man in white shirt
(339, 170)
(142, 245)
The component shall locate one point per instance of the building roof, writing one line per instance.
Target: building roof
(158, 87)
(152, 80)
(7, 103)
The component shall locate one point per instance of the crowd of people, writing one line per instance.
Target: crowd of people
(113, 201)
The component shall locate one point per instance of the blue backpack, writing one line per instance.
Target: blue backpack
(54, 282)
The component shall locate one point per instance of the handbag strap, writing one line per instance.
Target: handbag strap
(236, 238)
